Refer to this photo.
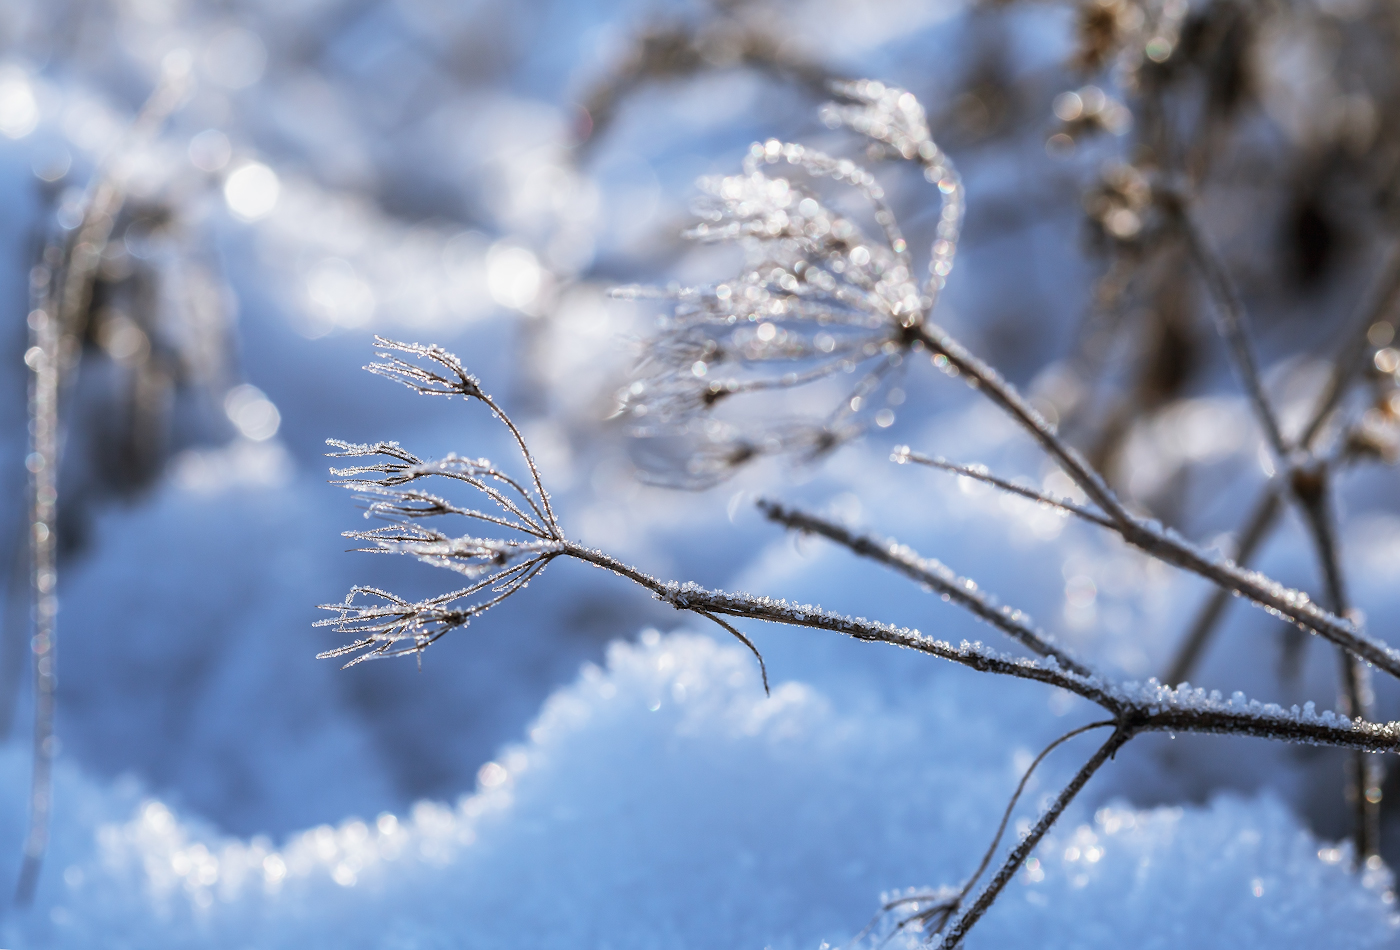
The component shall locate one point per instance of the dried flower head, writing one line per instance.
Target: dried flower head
(818, 296)
(1088, 111)
(496, 566)
(1120, 205)
(1127, 33)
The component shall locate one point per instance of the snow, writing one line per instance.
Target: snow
(663, 801)
(219, 786)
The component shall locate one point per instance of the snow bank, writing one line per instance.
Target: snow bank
(665, 802)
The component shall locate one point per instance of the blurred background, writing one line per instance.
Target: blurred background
(478, 174)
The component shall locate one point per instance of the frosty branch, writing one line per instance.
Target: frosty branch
(818, 299)
(814, 275)
(504, 566)
(1307, 480)
(499, 568)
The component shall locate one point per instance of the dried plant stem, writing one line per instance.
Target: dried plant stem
(1376, 307)
(700, 600)
(1146, 709)
(1016, 796)
(1292, 605)
(1264, 514)
(61, 294)
(762, 666)
(945, 905)
(935, 916)
(904, 454)
(991, 384)
(1257, 527)
(960, 926)
(43, 357)
(1311, 488)
(460, 383)
(14, 645)
(529, 462)
(870, 301)
(1231, 322)
(931, 575)
(1309, 485)
(505, 566)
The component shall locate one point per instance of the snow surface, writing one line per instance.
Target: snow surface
(663, 802)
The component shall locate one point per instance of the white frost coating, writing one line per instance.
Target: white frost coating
(664, 802)
(1157, 697)
(1150, 697)
(1297, 602)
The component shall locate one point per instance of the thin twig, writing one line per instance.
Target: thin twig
(1150, 707)
(61, 294)
(932, 575)
(1135, 708)
(965, 922)
(14, 636)
(44, 355)
(1016, 796)
(999, 391)
(902, 318)
(1374, 308)
(1230, 320)
(1257, 527)
(947, 906)
(903, 454)
(1293, 605)
(1309, 486)
(1311, 489)
(762, 667)
(427, 382)
(1264, 514)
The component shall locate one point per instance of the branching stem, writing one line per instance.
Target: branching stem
(931, 575)
(1016, 796)
(957, 931)
(1260, 522)
(1230, 320)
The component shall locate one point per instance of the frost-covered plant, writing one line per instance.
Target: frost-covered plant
(820, 296)
(497, 567)
(501, 566)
